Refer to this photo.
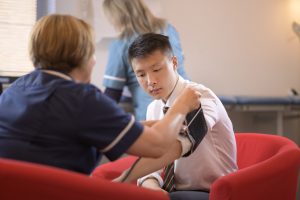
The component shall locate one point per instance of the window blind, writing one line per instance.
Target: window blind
(16, 21)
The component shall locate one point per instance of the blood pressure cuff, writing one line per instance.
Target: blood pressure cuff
(196, 130)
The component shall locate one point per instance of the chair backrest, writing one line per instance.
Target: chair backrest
(22, 180)
(268, 169)
(253, 148)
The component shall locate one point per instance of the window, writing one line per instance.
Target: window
(16, 21)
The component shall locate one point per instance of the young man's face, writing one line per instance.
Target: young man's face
(156, 74)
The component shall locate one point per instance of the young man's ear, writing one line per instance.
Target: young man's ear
(174, 62)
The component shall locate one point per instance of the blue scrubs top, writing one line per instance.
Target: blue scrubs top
(49, 120)
(119, 73)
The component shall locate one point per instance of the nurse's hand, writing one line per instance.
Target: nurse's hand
(189, 99)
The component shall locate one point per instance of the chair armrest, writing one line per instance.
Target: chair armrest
(22, 180)
(274, 178)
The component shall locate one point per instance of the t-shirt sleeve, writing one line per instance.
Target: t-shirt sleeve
(106, 126)
(115, 70)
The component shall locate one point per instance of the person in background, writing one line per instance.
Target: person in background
(132, 18)
(54, 116)
(155, 66)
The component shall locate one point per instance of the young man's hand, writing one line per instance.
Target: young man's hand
(152, 183)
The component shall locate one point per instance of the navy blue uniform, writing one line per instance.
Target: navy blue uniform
(49, 120)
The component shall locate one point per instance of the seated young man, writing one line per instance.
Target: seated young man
(155, 66)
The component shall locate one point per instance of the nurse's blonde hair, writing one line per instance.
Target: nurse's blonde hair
(132, 17)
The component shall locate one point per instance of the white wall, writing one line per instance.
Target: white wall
(238, 47)
(234, 47)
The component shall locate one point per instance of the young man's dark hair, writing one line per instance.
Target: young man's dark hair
(148, 43)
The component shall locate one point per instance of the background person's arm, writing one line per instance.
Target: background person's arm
(115, 94)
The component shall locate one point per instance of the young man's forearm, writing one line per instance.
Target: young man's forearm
(146, 166)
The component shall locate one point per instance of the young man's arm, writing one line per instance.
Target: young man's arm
(165, 133)
(157, 139)
(146, 166)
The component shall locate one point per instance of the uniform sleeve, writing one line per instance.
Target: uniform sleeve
(176, 46)
(106, 126)
(115, 70)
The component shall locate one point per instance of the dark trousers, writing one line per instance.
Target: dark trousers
(189, 195)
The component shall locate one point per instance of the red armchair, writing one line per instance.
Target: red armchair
(21, 180)
(268, 169)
